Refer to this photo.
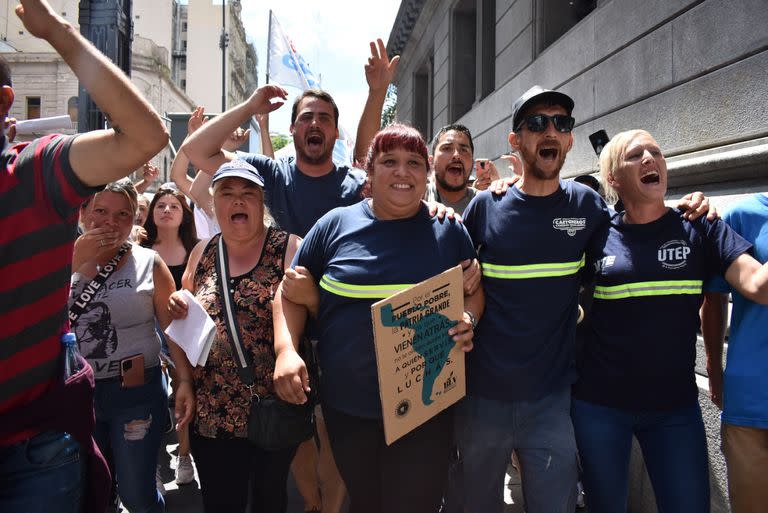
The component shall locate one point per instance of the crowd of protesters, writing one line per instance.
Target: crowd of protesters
(288, 254)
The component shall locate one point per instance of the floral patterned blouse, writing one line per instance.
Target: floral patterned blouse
(223, 401)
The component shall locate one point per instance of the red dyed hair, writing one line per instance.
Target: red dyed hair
(397, 136)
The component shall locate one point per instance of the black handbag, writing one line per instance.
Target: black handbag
(273, 424)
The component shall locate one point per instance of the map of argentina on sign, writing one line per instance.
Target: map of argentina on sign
(421, 369)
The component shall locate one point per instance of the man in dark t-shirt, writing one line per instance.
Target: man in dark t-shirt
(298, 190)
(531, 244)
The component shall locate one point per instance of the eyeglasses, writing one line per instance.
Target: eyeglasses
(540, 122)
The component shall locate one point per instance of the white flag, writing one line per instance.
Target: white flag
(285, 65)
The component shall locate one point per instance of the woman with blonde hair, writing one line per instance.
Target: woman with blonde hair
(636, 371)
(119, 294)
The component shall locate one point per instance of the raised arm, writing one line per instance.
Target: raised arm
(181, 162)
(138, 133)
(266, 142)
(204, 147)
(149, 174)
(378, 73)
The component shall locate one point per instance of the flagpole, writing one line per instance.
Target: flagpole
(269, 44)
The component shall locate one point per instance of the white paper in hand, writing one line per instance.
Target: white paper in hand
(194, 334)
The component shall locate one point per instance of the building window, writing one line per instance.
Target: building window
(463, 68)
(184, 26)
(556, 17)
(486, 48)
(33, 107)
(423, 97)
(72, 108)
(183, 64)
(184, 45)
(184, 84)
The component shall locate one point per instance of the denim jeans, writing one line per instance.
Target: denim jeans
(674, 447)
(539, 431)
(129, 430)
(43, 474)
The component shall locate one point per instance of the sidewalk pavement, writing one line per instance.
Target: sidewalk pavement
(187, 498)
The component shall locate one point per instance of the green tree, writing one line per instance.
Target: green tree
(389, 113)
(279, 140)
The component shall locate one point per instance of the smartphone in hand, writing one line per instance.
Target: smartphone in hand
(132, 371)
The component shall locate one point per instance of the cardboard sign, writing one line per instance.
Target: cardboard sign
(421, 369)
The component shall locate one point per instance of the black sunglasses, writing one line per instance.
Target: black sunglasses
(540, 122)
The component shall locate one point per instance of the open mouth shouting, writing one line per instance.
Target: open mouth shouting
(651, 177)
(315, 141)
(549, 153)
(455, 169)
(239, 218)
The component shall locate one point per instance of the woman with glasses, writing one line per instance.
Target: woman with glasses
(170, 228)
(636, 372)
(115, 328)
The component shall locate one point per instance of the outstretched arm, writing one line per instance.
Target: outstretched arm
(204, 147)
(378, 73)
(746, 275)
(137, 132)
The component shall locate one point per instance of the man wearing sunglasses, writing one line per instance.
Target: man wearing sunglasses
(531, 243)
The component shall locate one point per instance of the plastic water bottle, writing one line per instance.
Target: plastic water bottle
(70, 354)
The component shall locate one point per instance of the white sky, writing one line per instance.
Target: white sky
(333, 37)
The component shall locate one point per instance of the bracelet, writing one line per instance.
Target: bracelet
(472, 318)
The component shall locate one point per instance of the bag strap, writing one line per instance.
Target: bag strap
(89, 292)
(244, 368)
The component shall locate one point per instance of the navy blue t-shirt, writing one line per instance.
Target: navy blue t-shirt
(641, 350)
(531, 249)
(295, 200)
(348, 251)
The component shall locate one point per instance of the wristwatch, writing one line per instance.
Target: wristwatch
(472, 319)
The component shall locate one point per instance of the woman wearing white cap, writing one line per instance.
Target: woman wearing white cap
(230, 467)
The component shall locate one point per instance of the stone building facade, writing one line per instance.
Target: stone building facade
(45, 86)
(691, 72)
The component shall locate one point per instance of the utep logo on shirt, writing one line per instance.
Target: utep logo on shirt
(604, 263)
(570, 225)
(673, 254)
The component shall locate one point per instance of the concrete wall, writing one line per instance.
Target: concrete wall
(204, 54)
(691, 72)
(153, 19)
(45, 75)
(203, 72)
(12, 31)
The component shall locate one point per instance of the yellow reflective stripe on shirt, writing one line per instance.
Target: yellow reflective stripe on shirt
(649, 288)
(360, 291)
(516, 272)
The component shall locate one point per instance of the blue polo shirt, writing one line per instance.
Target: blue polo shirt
(532, 251)
(641, 351)
(348, 251)
(745, 383)
(296, 200)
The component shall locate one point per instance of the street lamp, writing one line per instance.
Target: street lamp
(223, 43)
